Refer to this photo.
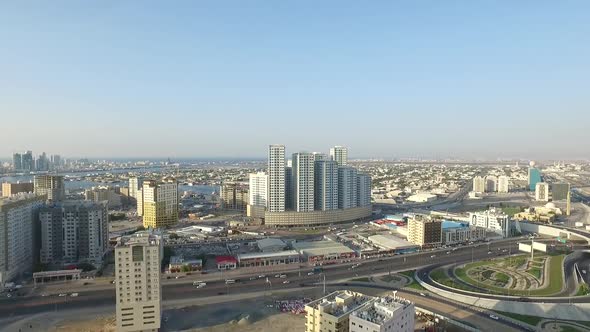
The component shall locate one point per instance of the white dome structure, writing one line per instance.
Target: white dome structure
(532, 163)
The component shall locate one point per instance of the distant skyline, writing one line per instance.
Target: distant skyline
(454, 79)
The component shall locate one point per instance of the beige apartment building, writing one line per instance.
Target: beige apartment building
(50, 185)
(9, 189)
(332, 312)
(159, 203)
(137, 282)
(425, 231)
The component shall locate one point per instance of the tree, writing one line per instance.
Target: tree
(174, 236)
(186, 268)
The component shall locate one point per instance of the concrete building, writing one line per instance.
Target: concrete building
(135, 184)
(180, 264)
(270, 244)
(542, 191)
(139, 200)
(17, 162)
(385, 314)
(50, 185)
(17, 236)
(425, 231)
(455, 233)
(137, 283)
(9, 189)
(258, 189)
(422, 198)
(259, 259)
(491, 184)
(324, 252)
(340, 155)
(326, 185)
(363, 189)
(234, 196)
(492, 219)
(315, 218)
(479, 184)
(331, 313)
(101, 194)
(73, 232)
(27, 162)
(276, 178)
(559, 191)
(503, 184)
(303, 181)
(160, 203)
(42, 163)
(289, 186)
(534, 177)
(347, 187)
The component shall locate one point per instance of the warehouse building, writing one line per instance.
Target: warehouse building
(324, 252)
(257, 259)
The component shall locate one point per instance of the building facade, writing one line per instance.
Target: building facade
(493, 220)
(463, 235)
(326, 185)
(425, 231)
(503, 184)
(258, 189)
(276, 178)
(160, 203)
(234, 196)
(491, 184)
(363, 187)
(51, 186)
(542, 191)
(9, 189)
(479, 184)
(347, 187)
(17, 236)
(331, 313)
(303, 181)
(137, 283)
(100, 194)
(559, 191)
(534, 178)
(135, 184)
(340, 155)
(384, 314)
(74, 232)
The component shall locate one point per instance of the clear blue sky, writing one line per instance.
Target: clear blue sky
(471, 79)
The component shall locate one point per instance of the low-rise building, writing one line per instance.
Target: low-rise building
(257, 259)
(324, 252)
(180, 264)
(385, 314)
(542, 191)
(422, 198)
(393, 244)
(331, 313)
(101, 193)
(456, 232)
(226, 262)
(9, 189)
(492, 219)
(270, 244)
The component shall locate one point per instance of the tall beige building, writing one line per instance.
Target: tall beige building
(9, 189)
(160, 203)
(331, 313)
(542, 191)
(137, 282)
(234, 196)
(503, 184)
(479, 184)
(50, 185)
(425, 231)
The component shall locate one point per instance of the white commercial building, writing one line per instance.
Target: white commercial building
(17, 217)
(137, 282)
(479, 184)
(276, 178)
(347, 187)
(303, 181)
(326, 185)
(503, 184)
(463, 235)
(422, 198)
(363, 189)
(73, 232)
(385, 314)
(135, 184)
(258, 189)
(270, 244)
(340, 155)
(491, 219)
(542, 191)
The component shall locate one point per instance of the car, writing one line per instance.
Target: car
(201, 285)
(262, 276)
(277, 275)
(195, 283)
(74, 294)
(492, 316)
(448, 252)
(178, 277)
(432, 256)
(310, 273)
(283, 276)
(489, 252)
(286, 282)
(422, 294)
(253, 278)
(44, 295)
(62, 294)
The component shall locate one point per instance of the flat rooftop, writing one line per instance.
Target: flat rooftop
(319, 248)
(340, 303)
(382, 309)
(255, 255)
(390, 242)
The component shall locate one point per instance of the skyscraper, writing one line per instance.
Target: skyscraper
(50, 185)
(340, 155)
(347, 187)
(135, 183)
(160, 203)
(28, 164)
(491, 184)
(503, 184)
(276, 178)
(479, 184)
(17, 217)
(74, 231)
(542, 191)
(137, 282)
(17, 162)
(289, 186)
(42, 162)
(326, 185)
(363, 187)
(534, 178)
(303, 181)
(258, 189)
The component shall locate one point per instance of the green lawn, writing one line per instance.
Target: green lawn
(414, 284)
(583, 290)
(361, 279)
(389, 278)
(511, 211)
(501, 277)
(532, 320)
(535, 272)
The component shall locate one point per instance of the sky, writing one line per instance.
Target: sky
(388, 79)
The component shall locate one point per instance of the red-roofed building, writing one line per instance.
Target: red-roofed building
(226, 262)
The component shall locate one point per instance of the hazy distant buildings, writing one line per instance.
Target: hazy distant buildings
(276, 178)
(160, 203)
(479, 184)
(559, 191)
(17, 236)
(303, 182)
(503, 184)
(9, 189)
(137, 282)
(27, 162)
(542, 191)
(42, 163)
(50, 185)
(101, 193)
(17, 162)
(234, 196)
(340, 155)
(73, 232)
(425, 231)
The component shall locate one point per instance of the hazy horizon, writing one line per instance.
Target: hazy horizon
(387, 80)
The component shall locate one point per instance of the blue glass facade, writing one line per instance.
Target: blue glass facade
(534, 178)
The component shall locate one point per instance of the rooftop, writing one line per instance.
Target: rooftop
(448, 224)
(180, 260)
(323, 247)
(382, 309)
(340, 303)
(390, 242)
(255, 255)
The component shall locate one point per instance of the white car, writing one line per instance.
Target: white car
(309, 273)
(62, 294)
(494, 317)
(74, 294)
(286, 282)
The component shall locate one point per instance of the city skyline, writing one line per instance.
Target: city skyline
(386, 80)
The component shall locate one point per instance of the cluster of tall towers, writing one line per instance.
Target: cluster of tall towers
(312, 181)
